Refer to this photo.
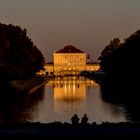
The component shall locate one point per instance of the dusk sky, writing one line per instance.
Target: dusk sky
(87, 24)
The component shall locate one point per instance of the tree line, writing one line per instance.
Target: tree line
(121, 60)
(19, 57)
(120, 63)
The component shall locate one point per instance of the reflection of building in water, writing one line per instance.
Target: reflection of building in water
(70, 93)
(70, 60)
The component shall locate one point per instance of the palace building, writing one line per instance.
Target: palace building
(70, 61)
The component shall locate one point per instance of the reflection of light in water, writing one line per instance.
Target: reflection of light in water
(66, 96)
(79, 95)
(70, 92)
(70, 95)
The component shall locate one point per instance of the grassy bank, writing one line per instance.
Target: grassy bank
(30, 85)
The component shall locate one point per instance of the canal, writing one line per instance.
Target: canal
(59, 100)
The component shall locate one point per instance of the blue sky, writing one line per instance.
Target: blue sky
(87, 24)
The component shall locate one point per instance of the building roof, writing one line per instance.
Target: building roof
(49, 62)
(69, 49)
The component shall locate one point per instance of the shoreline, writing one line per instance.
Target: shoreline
(66, 129)
(29, 86)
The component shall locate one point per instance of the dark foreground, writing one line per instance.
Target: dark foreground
(61, 130)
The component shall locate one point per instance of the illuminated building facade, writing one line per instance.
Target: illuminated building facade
(69, 61)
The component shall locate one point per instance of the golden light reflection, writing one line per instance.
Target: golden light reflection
(70, 88)
(70, 93)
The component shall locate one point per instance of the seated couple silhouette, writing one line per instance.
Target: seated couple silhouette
(75, 119)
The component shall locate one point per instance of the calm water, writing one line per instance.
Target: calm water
(59, 100)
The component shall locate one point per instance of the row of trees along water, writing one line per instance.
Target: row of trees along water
(120, 63)
(121, 60)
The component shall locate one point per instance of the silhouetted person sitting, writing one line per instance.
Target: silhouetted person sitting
(84, 120)
(75, 119)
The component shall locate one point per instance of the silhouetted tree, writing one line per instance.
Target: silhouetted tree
(114, 44)
(19, 57)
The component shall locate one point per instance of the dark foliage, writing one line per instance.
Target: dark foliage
(123, 62)
(122, 72)
(19, 57)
